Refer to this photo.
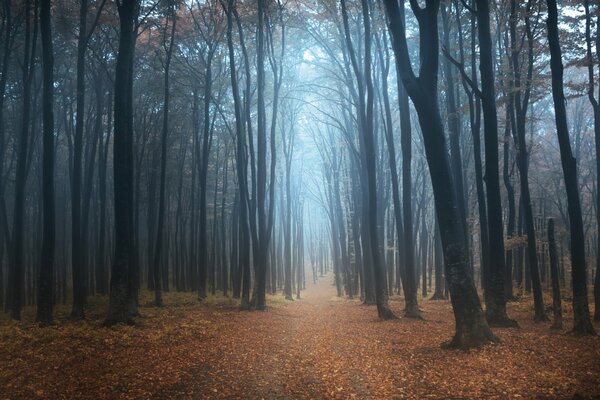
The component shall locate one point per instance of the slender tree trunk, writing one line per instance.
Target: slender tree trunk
(411, 309)
(556, 303)
(439, 265)
(6, 51)
(78, 267)
(510, 194)
(471, 326)
(581, 313)
(45, 299)
(122, 267)
(596, 108)
(523, 163)
(17, 271)
(163, 168)
(495, 298)
(203, 172)
(241, 160)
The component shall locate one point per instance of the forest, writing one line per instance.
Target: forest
(279, 199)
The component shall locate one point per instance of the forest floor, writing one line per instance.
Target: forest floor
(317, 347)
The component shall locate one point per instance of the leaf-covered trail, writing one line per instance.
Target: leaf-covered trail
(325, 347)
(317, 347)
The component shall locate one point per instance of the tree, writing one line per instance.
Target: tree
(521, 103)
(495, 295)
(596, 108)
(6, 52)
(556, 303)
(471, 327)
(381, 294)
(17, 270)
(172, 14)
(46, 272)
(121, 273)
(581, 313)
(410, 288)
(78, 234)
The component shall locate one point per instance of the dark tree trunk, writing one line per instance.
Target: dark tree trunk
(495, 298)
(6, 51)
(45, 300)
(581, 313)
(122, 267)
(411, 307)
(453, 120)
(287, 230)
(261, 246)
(475, 122)
(596, 108)
(17, 270)
(203, 172)
(471, 326)
(101, 270)
(389, 137)
(521, 105)
(241, 159)
(158, 246)
(556, 303)
(439, 265)
(78, 267)
(510, 194)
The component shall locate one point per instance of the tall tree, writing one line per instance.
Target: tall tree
(411, 309)
(591, 62)
(78, 267)
(17, 270)
(46, 271)
(381, 293)
(581, 313)
(6, 52)
(241, 151)
(521, 104)
(121, 273)
(495, 296)
(471, 326)
(556, 303)
(172, 15)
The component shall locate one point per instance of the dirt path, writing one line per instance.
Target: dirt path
(325, 347)
(319, 347)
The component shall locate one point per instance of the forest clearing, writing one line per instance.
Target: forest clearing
(319, 347)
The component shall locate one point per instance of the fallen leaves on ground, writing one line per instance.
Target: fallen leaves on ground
(317, 347)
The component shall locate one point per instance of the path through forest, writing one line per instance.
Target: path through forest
(318, 347)
(326, 347)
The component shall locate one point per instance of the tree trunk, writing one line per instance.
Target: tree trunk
(472, 329)
(596, 108)
(17, 270)
(163, 168)
(556, 303)
(531, 268)
(581, 313)
(495, 298)
(122, 271)
(45, 283)
(78, 267)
